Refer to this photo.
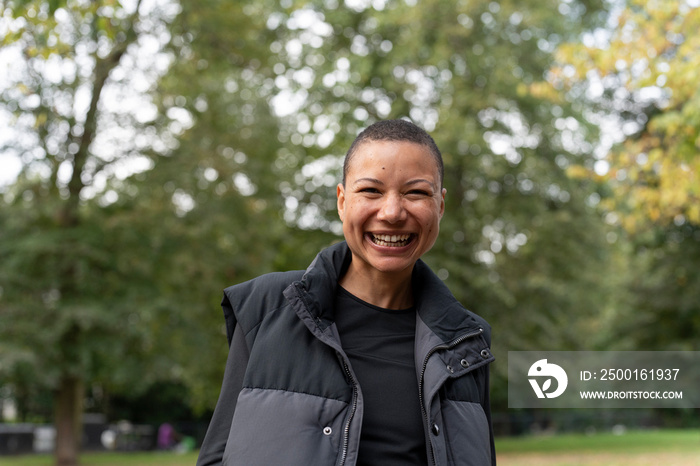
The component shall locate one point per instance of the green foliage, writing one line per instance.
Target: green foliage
(647, 71)
(116, 276)
(110, 277)
(521, 241)
(62, 289)
(643, 76)
(664, 314)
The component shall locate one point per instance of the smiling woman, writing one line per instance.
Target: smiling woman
(365, 358)
(391, 192)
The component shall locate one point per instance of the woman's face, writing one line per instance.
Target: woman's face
(391, 205)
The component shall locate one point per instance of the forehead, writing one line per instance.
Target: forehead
(383, 155)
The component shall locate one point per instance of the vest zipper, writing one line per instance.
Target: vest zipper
(424, 410)
(346, 430)
(353, 409)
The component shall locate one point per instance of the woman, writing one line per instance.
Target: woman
(365, 358)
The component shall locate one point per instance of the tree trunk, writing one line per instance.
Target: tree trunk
(69, 411)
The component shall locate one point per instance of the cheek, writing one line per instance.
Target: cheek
(358, 209)
(430, 215)
(432, 224)
(353, 215)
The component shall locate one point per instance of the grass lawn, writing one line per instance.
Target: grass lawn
(108, 459)
(633, 448)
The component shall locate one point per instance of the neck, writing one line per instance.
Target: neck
(388, 291)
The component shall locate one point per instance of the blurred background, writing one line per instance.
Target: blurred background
(153, 152)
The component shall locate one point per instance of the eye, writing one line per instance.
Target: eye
(419, 192)
(368, 190)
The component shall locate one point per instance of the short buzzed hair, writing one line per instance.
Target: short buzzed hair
(395, 130)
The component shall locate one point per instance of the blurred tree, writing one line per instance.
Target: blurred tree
(664, 312)
(223, 176)
(638, 75)
(54, 266)
(135, 204)
(255, 105)
(642, 72)
(521, 242)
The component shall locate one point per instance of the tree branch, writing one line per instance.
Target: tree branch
(103, 67)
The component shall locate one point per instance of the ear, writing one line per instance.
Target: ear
(340, 192)
(442, 202)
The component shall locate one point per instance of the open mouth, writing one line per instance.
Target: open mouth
(392, 241)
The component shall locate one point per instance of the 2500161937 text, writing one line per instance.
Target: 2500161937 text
(638, 374)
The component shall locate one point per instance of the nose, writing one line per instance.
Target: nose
(392, 209)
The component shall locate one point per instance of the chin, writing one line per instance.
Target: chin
(393, 266)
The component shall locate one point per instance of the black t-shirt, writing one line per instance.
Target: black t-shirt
(379, 343)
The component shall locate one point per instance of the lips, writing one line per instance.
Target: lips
(395, 241)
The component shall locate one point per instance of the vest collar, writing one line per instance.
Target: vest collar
(435, 304)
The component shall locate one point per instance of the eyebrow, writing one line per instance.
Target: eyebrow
(420, 180)
(408, 183)
(371, 180)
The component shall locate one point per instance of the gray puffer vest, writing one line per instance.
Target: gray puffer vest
(289, 396)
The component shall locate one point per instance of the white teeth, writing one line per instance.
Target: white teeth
(391, 240)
